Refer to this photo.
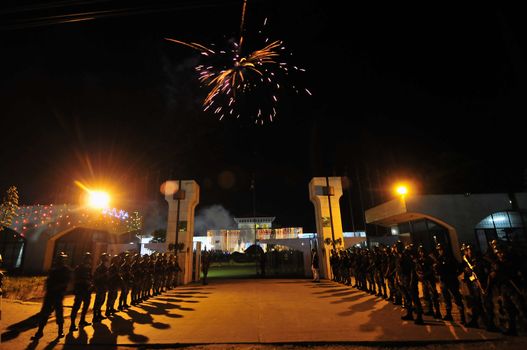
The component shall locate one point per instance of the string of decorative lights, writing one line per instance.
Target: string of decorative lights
(55, 218)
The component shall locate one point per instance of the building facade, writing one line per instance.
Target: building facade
(452, 219)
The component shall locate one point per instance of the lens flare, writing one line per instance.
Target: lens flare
(98, 199)
(402, 190)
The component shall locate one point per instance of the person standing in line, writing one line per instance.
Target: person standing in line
(114, 284)
(504, 278)
(333, 263)
(1, 275)
(83, 286)
(472, 273)
(315, 265)
(127, 282)
(177, 270)
(425, 272)
(56, 285)
(135, 273)
(100, 281)
(205, 264)
(447, 269)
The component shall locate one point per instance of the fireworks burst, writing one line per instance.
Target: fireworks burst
(248, 85)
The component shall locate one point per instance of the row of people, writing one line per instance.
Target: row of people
(395, 274)
(141, 277)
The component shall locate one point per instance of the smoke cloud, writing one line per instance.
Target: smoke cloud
(215, 217)
(154, 216)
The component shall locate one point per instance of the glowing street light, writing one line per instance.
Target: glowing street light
(401, 190)
(98, 199)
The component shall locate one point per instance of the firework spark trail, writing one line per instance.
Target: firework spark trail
(241, 75)
(204, 50)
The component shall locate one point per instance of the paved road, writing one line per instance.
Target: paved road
(242, 311)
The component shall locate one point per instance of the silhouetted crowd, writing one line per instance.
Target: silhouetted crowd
(402, 273)
(113, 280)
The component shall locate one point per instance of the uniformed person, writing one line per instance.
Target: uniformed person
(425, 272)
(136, 274)
(178, 269)
(2, 276)
(333, 263)
(408, 279)
(205, 264)
(100, 282)
(490, 260)
(362, 263)
(126, 282)
(379, 262)
(344, 267)
(56, 285)
(170, 272)
(371, 272)
(159, 271)
(396, 248)
(389, 274)
(146, 278)
(448, 269)
(114, 284)
(473, 277)
(504, 276)
(82, 288)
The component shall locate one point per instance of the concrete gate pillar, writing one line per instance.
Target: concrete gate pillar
(181, 204)
(325, 193)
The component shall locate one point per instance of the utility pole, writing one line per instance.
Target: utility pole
(178, 195)
(363, 214)
(253, 187)
(330, 213)
(348, 178)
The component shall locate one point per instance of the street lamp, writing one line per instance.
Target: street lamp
(98, 199)
(401, 189)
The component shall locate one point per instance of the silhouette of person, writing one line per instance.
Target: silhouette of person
(56, 284)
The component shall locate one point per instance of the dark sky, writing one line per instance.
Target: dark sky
(434, 95)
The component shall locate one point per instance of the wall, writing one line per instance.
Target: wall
(463, 212)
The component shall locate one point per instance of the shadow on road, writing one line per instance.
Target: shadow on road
(176, 300)
(74, 342)
(15, 329)
(332, 290)
(350, 299)
(162, 306)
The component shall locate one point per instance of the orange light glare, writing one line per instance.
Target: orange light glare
(402, 190)
(98, 199)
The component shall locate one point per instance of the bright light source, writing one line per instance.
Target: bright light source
(98, 199)
(402, 190)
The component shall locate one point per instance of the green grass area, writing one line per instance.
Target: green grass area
(232, 270)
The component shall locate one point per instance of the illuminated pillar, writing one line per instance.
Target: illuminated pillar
(181, 204)
(327, 214)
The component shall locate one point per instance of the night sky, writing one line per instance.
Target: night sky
(432, 95)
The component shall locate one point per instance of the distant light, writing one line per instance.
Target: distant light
(354, 234)
(169, 188)
(98, 199)
(499, 218)
(119, 214)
